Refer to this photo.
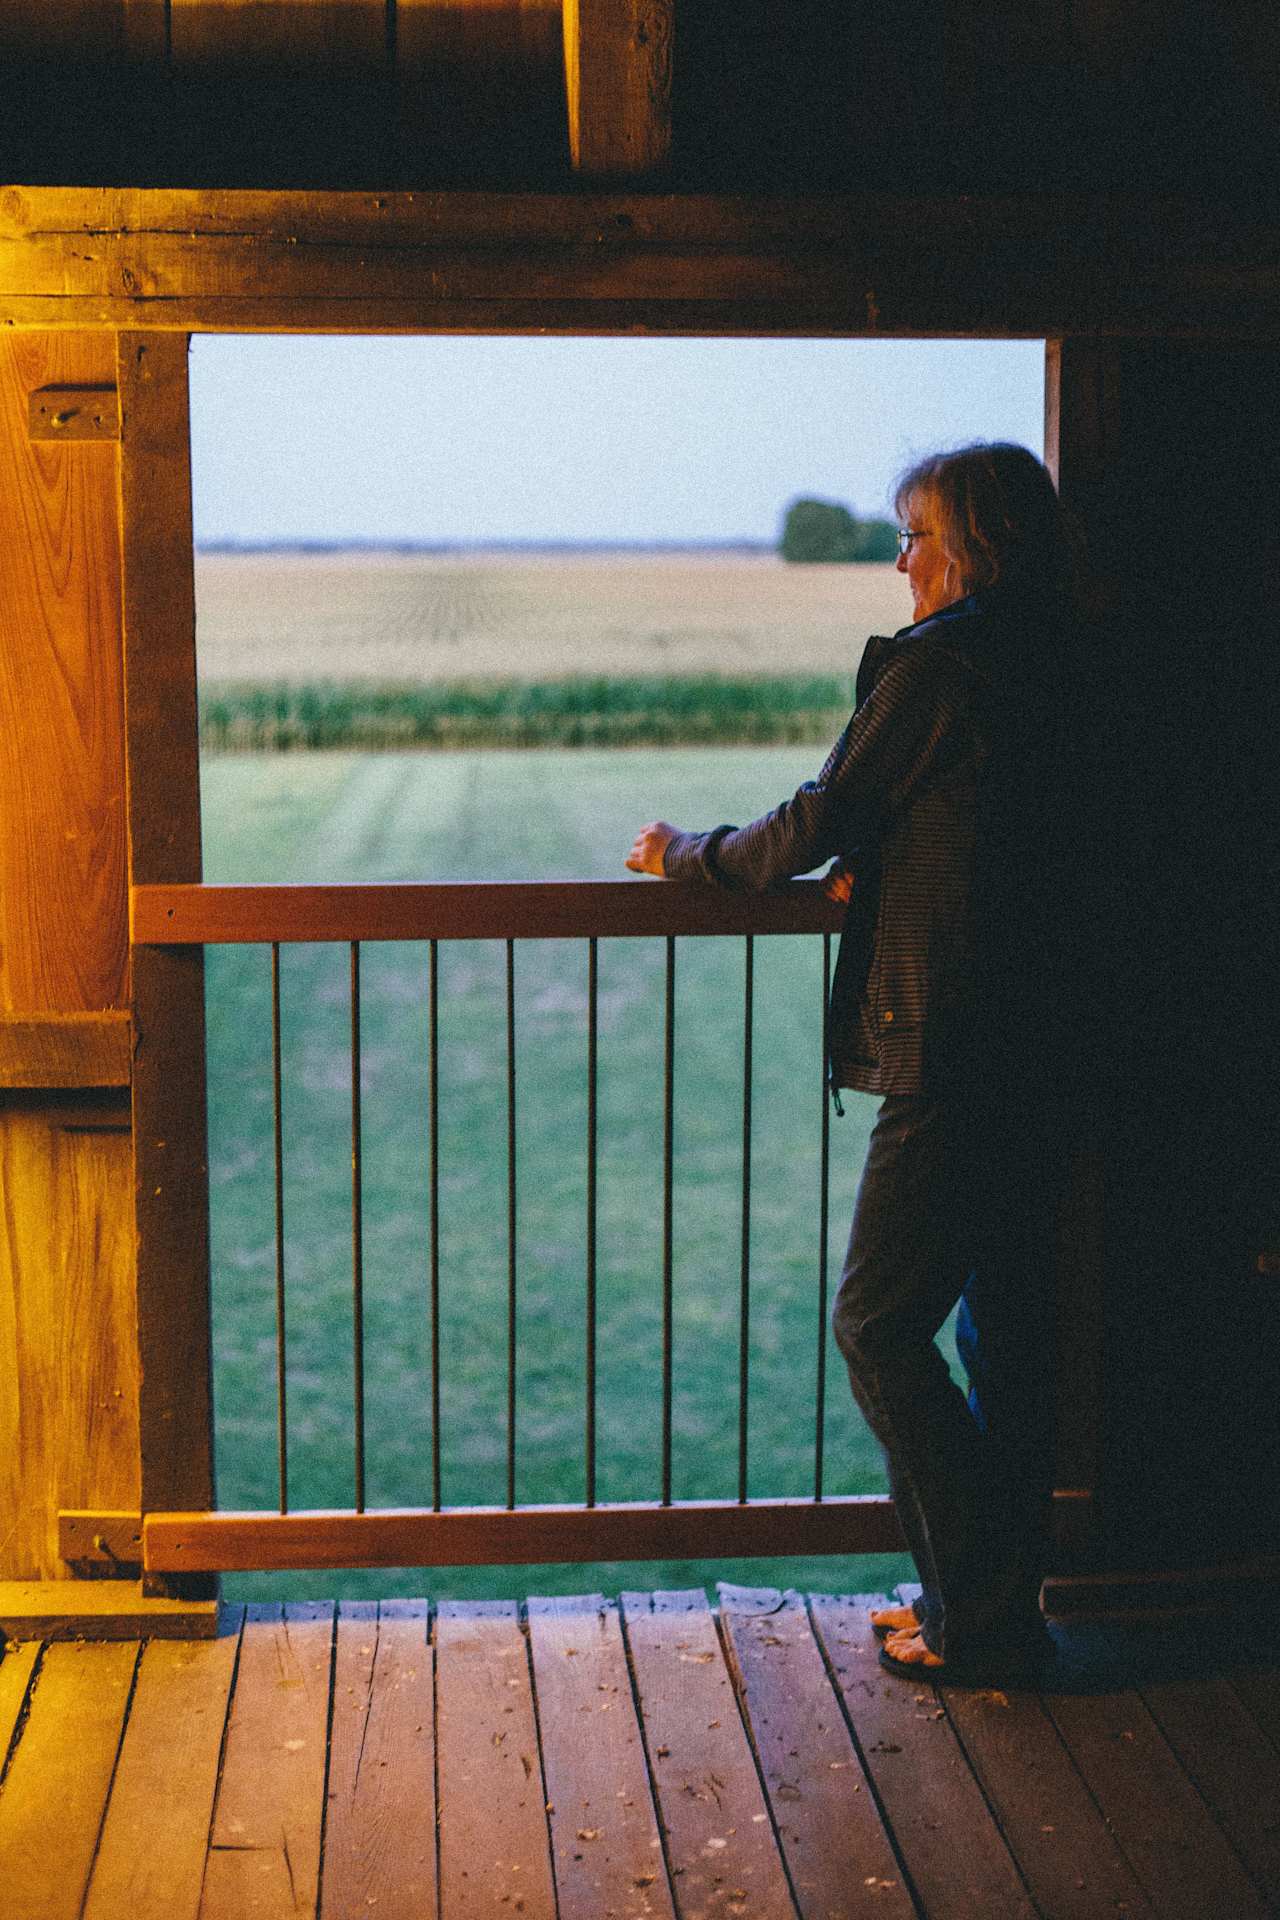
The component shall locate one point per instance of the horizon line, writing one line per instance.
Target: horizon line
(356, 543)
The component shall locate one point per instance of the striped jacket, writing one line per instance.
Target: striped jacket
(906, 802)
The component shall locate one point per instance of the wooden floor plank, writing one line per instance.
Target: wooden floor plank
(1187, 1867)
(951, 1847)
(17, 1668)
(55, 1792)
(1259, 1688)
(264, 1853)
(1068, 1858)
(151, 1858)
(380, 1829)
(495, 1851)
(720, 1841)
(1233, 1764)
(604, 1830)
(840, 1860)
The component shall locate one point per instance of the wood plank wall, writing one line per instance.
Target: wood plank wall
(291, 92)
(68, 1372)
(977, 96)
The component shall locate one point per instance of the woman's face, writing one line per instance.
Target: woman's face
(926, 565)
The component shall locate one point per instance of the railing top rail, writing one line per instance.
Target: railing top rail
(190, 915)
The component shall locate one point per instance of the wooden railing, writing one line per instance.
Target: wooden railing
(187, 916)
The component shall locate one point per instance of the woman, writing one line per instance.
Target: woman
(943, 807)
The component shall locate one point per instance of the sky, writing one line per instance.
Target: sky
(473, 439)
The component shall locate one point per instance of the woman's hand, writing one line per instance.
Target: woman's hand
(837, 882)
(650, 844)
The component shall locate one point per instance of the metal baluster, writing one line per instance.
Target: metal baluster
(511, 1223)
(357, 1228)
(668, 1158)
(744, 1309)
(593, 1001)
(824, 1185)
(277, 1103)
(433, 1103)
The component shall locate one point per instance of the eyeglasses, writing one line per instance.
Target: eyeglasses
(907, 534)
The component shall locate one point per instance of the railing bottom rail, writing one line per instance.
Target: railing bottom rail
(503, 1536)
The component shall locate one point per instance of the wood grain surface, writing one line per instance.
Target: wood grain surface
(380, 1823)
(860, 265)
(720, 1840)
(608, 1850)
(68, 1359)
(58, 1780)
(839, 1857)
(264, 1845)
(62, 853)
(495, 1846)
(151, 1855)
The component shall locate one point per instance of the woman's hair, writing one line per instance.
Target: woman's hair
(997, 514)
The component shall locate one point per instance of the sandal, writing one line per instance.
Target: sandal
(887, 1620)
(1017, 1661)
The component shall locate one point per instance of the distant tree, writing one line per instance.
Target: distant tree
(825, 530)
(877, 540)
(816, 530)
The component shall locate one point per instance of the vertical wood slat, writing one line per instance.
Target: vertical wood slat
(56, 1790)
(838, 1854)
(268, 34)
(264, 1845)
(63, 929)
(480, 90)
(162, 745)
(380, 1824)
(83, 29)
(617, 57)
(68, 1353)
(719, 1838)
(150, 1861)
(494, 1843)
(604, 1832)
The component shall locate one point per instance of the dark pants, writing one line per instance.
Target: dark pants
(956, 1205)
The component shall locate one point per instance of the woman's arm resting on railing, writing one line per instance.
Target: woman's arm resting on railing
(651, 843)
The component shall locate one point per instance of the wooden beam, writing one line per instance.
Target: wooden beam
(169, 1132)
(481, 910)
(99, 1610)
(101, 1541)
(66, 1050)
(617, 60)
(499, 1536)
(864, 265)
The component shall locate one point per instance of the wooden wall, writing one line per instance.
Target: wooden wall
(69, 1405)
(961, 96)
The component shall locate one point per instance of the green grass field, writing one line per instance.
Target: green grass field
(518, 815)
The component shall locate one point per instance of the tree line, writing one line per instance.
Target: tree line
(825, 530)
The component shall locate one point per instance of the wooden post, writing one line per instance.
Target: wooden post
(162, 744)
(68, 1375)
(1169, 451)
(617, 57)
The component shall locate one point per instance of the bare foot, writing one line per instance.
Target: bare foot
(894, 1619)
(910, 1649)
